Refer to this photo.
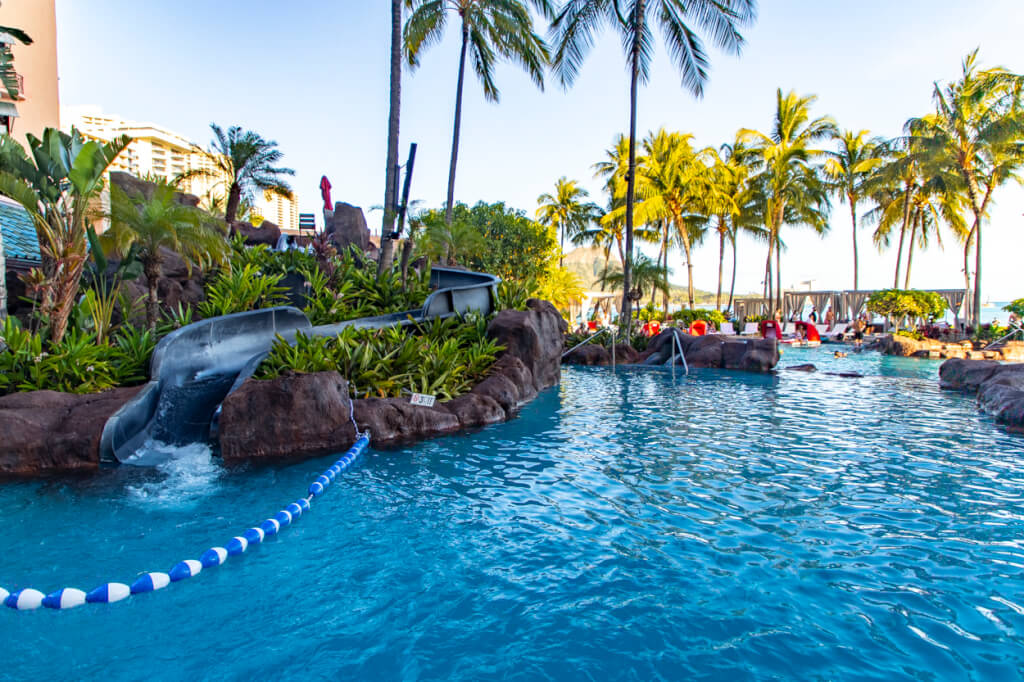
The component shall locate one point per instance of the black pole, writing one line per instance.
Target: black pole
(404, 208)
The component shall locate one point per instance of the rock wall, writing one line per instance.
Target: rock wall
(46, 432)
(267, 233)
(303, 415)
(897, 344)
(999, 387)
(714, 351)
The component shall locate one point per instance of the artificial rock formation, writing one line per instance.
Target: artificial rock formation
(904, 346)
(46, 432)
(302, 415)
(267, 233)
(714, 351)
(346, 227)
(999, 387)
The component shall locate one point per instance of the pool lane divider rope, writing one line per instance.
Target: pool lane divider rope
(69, 597)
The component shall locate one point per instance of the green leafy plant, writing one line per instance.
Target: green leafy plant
(684, 318)
(443, 357)
(241, 289)
(1016, 307)
(907, 303)
(133, 348)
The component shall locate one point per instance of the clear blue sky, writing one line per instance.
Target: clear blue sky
(314, 76)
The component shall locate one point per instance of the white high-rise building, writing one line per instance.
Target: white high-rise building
(156, 151)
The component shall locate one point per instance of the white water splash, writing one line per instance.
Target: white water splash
(186, 475)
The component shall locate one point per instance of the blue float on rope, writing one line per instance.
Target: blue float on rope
(66, 598)
(25, 600)
(254, 535)
(185, 569)
(237, 546)
(69, 597)
(109, 593)
(150, 582)
(214, 556)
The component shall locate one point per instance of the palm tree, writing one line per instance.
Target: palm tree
(849, 169)
(647, 276)
(934, 204)
(244, 162)
(975, 137)
(448, 243)
(788, 183)
(731, 205)
(577, 21)
(387, 247)
(671, 180)
(490, 29)
(566, 211)
(158, 223)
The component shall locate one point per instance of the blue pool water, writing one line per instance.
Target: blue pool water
(626, 526)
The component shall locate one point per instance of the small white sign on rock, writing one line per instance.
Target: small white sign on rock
(422, 400)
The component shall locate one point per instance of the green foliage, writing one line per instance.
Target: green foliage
(241, 289)
(513, 294)
(911, 334)
(132, 350)
(76, 364)
(443, 358)
(517, 247)
(899, 303)
(1016, 307)
(684, 318)
(990, 332)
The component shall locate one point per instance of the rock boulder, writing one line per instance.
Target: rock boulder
(1000, 388)
(46, 432)
(267, 233)
(535, 337)
(347, 227)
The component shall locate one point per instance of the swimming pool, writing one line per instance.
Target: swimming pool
(721, 526)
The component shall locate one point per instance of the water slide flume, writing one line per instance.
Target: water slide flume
(196, 367)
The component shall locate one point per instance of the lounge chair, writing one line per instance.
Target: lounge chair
(787, 329)
(750, 329)
(727, 329)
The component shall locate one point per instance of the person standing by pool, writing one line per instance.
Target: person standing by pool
(830, 320)
(813, 317)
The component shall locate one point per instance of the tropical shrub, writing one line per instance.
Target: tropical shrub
(240, 289)
(76, 364)
(443, 358)
(686, 317)
(513, 294)
(517, 247)
(900, 303)
(1016, 307)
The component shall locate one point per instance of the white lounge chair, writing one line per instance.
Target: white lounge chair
(727, 329)
(788, 329)
(750, 329)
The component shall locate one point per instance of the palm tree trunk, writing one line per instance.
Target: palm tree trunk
(234, 199)
(634, 77)
(561, 248)
(768, 293)
(721, 262)
(151, 267)
(664, 248)
(407, 248)
(732, 285)
(853, 219)
(903, 234)
(778, 277)
(449, 210)
(387, 246)
(689, 267)
(910, 247)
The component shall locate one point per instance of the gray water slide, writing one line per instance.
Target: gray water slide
(195, 368)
